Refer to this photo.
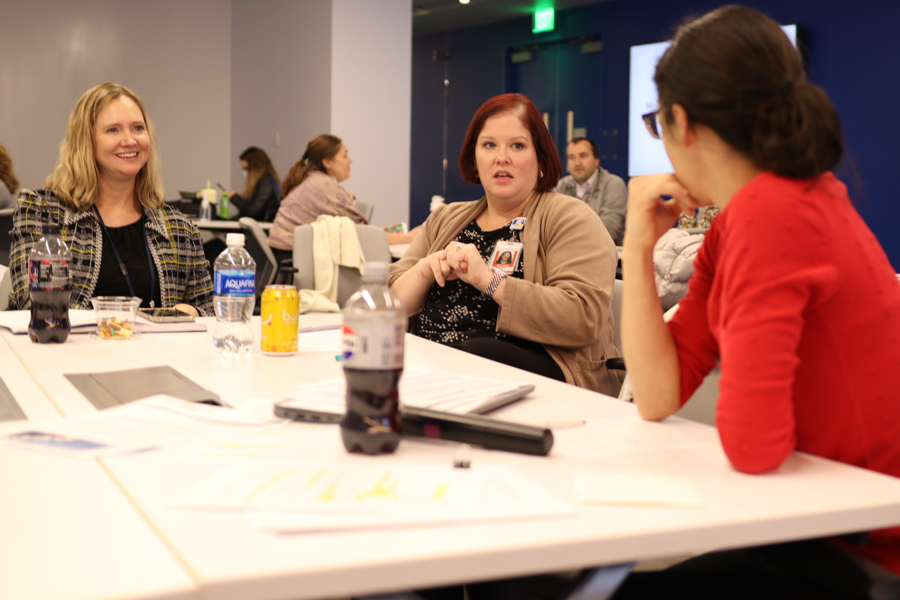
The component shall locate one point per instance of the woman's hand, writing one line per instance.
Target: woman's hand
(467, 264)
(649, 215)
(435, 268)
(188, 309)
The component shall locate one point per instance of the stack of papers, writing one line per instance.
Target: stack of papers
(154, 422)
(334, 495)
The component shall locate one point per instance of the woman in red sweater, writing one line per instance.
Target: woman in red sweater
(792, 293)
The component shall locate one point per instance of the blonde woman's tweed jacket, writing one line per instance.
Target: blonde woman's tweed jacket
(175, 246)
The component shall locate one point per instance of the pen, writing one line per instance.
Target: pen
(476, 429)
(221, 187)
(318, 328)
(565, 424)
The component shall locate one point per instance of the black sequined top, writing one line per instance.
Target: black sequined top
(458, 312)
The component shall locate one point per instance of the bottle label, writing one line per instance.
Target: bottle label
(373, 345)
(235, 284)
(48, 275)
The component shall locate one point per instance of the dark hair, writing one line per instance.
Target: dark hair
(544, 147)
(591, 142)
(258, 163)
(735, 71)
(321, 147)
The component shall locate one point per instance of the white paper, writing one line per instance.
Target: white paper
(148, 423)
(636, 489)
(17, 320)
(336, 495)
(600, 438)
(320, 340)
(85, 321)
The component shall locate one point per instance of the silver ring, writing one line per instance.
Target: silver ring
(458, 247)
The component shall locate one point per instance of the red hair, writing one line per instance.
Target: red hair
(544, 147)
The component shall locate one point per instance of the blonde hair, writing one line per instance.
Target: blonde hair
(75, 180)
(6, 171)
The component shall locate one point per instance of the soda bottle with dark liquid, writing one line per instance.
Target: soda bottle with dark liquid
(373, 335)
(49, 288)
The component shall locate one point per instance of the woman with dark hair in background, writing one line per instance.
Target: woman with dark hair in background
(9, 185)
(261, 190)
(550, 313)
(792, 294)
(312, 188)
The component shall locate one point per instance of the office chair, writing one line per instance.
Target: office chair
(365, 209)
(617, 363)
(372, 240)
(5, 286)
(268, 270)
(6, 225)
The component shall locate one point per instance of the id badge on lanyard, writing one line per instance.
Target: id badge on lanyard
(507, 254)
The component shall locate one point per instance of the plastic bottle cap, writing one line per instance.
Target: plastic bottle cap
(234, 239)
(376, 271)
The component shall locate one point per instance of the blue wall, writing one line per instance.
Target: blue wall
(852, 50)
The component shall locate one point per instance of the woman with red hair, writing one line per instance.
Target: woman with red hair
(548, 312)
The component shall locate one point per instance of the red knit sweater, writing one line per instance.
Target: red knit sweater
(796, 298)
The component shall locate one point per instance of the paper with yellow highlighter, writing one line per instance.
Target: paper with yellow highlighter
(338, 495)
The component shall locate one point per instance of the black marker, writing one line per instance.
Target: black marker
(476, 429)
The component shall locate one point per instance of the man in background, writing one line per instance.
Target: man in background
(600, 189)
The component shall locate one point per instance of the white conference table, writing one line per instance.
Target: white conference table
(219, 555)
(68, 530)
(398, 250)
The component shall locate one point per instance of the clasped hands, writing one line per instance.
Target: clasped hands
(458, 261)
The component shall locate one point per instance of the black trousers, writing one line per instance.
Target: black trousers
(501, 351)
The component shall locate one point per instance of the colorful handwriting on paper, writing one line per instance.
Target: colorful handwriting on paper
(268, 483)
(385, 487)
(439, 492)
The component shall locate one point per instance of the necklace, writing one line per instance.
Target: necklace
(122, 266)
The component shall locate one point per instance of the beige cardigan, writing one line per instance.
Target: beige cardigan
(565, 299)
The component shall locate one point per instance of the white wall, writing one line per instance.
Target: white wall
(218, 76)
(371, 79)
(281, 79)
(174, 54)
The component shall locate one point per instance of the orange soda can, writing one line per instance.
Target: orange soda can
(279, 311)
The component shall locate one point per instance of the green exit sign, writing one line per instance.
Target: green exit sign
(543, 20)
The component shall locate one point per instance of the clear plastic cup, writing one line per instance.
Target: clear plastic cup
(115, 316)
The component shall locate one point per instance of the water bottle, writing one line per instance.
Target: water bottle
(205, 210)
(49, 288)
(224, 207)
(373, 335)
(234, 296)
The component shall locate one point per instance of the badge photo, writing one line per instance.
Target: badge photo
(505, 256)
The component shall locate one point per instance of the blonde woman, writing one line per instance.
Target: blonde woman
(107, 197)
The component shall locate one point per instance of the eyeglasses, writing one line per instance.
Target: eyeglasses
(651, 120)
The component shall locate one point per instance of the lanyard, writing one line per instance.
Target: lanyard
(122, 264)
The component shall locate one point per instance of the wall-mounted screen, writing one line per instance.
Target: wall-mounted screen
(645, 154)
